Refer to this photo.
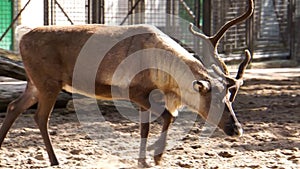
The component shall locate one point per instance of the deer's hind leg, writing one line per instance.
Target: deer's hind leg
(16, 107)
(48, 93)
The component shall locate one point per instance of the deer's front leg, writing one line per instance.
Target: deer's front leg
(144, 131)
(160, 145)
(16, 107)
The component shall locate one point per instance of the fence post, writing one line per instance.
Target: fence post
(207, 17)
(296, 24)
(94, 11)
(197, 13)
(98, 11)
(291, 26)
(46, 12)
(249, 34)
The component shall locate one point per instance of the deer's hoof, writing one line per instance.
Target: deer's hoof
(54, 162)
(157, 159)
(142, 163)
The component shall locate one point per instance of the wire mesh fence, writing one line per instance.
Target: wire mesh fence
(234, 40)
(6, 14)
(272, 24)
(163, 14)
(62, 12)
(270, 29)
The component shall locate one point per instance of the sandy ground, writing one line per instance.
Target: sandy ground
(267, 106)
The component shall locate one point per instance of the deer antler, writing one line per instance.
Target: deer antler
(216, 38)
(244, 65)
(240, 74)
(235, 83)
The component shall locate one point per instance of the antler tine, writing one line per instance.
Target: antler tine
(244, 65)
(194, 32)
(216, 38)
(218, 71)
(239, 76)
(230, 81)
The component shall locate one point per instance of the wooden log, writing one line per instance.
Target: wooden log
(11, 65)
(11, 68)
(11, 89)
(10, 55)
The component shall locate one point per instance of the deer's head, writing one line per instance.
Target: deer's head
(227, 85)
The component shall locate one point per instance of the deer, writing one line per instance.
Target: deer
(49, 54)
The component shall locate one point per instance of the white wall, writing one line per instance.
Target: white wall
(33, 15)
(155, 11)
(115, 11)
(75, 9)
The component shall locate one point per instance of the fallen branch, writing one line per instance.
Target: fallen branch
(11, 68)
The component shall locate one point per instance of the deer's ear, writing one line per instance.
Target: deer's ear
(201, 86)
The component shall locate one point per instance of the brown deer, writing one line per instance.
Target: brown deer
(49, 54)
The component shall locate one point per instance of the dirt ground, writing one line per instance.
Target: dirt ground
(267, 106)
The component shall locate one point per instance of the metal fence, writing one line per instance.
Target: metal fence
(296, 42)
(120, 12)
(270, 33)
(6, 14)
(234, 40)
(272, 25)
(65, 12)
